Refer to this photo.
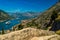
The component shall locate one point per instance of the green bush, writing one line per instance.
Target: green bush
(20, 27)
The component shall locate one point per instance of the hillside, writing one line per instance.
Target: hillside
(52, 37)
(28, 34)
(4, 16)
(47, 20)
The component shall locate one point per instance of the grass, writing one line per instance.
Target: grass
(58, 32)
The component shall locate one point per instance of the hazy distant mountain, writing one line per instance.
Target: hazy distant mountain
(4, 16)
(25, 15)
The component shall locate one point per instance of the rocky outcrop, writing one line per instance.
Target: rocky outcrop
(25, 34)
(51, 37)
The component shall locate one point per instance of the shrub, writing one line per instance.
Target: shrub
(58, 32)
(20, 27)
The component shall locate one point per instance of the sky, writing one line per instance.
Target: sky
(26, 5)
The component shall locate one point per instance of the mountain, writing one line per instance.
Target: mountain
(25, 15)
(48, 20)
(45, 26)
(4, 16)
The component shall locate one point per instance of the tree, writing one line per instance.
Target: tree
(20, 27)
(3, 31)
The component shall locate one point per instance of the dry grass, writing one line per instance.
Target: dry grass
(58, 32)
(52, 37)
(25, 34)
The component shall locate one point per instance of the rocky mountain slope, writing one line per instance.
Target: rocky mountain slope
(29, 34)
(4, 16)
(47, 20)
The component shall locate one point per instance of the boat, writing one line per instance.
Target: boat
(8, 22)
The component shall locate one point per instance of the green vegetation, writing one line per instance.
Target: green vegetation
(54, 15)
(33, 24)
(20, 27)
(3, 31)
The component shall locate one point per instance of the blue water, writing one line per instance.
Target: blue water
(9, 26)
